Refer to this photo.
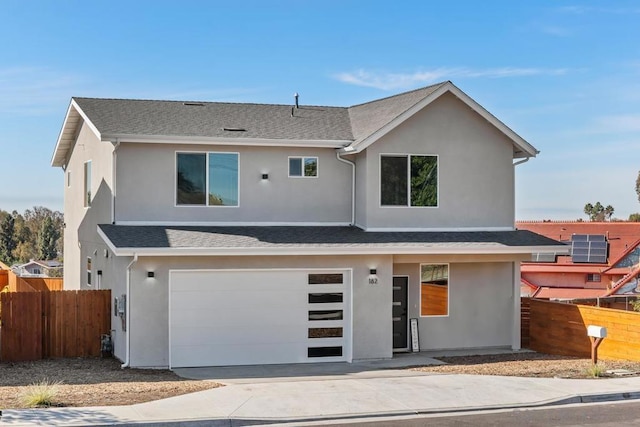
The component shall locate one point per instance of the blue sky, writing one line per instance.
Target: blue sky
(564, 75)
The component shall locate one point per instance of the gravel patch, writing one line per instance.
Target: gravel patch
(93, 382)
(528, 364)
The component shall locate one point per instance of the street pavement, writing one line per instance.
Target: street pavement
(264, 395)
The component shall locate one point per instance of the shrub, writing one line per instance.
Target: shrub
(595, 370)
(42, 393)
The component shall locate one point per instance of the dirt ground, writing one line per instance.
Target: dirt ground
(93, 382)
(101, 382)
(528, 364)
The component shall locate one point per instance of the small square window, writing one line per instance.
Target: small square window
(594, 277)
(303, 167)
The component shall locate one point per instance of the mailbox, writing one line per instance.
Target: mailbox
(596, 331)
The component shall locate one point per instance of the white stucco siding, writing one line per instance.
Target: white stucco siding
(147, 186)
(475, 171)
(480, 306)
(80, 234)
(149, 300)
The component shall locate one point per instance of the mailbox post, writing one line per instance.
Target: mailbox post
(596, 335)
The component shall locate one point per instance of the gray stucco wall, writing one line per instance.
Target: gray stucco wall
(149, 300)
(146, 182)
(480, 306)
(80, 236)
(476, 176)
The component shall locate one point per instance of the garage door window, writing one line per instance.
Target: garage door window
(324, 351)
(325, 315)
(325, 279)
(326, 298)
(325, 332)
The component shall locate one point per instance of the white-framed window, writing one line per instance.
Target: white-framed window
(88, 271)
(87, 184)
(434, 290)
(594, 277)
(303, 167)
(409, 180)
(207, 179)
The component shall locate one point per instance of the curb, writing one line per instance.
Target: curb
(247, 422)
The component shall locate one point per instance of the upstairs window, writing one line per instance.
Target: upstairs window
(87, 184)
(593, 277)
(409, 180)
(207, 179)
(303, 167)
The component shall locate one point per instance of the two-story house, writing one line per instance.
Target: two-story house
(238, 234)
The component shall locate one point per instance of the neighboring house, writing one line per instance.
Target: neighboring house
(603, 260)
(238, 234)
(34, 268)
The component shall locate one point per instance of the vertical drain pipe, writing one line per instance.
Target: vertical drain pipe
(353, 186)
(128, 314)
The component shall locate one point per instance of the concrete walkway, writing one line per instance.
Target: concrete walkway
(306, 393)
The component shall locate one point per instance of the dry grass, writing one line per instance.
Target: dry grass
(92, 382)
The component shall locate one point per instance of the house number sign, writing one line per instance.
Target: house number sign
(373, 280)
(415, 342)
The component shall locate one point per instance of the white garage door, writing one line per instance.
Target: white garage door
(247, 317)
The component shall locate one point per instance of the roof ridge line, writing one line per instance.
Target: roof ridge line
(400, 94)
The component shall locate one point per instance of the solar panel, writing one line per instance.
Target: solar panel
(543, 257)
(589, 248)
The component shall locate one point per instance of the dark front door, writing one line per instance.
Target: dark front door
(400, 285)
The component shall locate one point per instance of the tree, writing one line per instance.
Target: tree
(47, 238)
(598, 212)
(7, 239)
(638, 186)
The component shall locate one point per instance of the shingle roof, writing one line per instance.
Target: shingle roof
(370, 117)
(321, 237)
(336, 127)
(209, 119)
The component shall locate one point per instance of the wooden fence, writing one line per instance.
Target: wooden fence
(562, 329)
(40, 325)
(525, 321)
(4, 278)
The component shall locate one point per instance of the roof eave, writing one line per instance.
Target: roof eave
(68, 133)
(186, 139)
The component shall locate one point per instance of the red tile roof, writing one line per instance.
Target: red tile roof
(622, 236)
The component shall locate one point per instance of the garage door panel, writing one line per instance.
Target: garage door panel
(238, 333)
(252, 317)
(242, 354)
(211, 301)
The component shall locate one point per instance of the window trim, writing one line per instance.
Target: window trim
(408, 205)
(303, 159)
(206, 153)
(88, 183)
(89, 272)
(448, 290)
(591, 277)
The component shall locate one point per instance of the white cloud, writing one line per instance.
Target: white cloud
(623, 123)
(34, 90)
(389, 81)
(556, 31)
(581, 10)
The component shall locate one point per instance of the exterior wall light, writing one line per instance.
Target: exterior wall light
(151, 274)
(373, 271)
(265, 176)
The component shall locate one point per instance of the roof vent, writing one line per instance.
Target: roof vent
(295, 96)
(234, 129)
(193, 104)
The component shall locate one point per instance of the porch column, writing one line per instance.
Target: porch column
(515, 332)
